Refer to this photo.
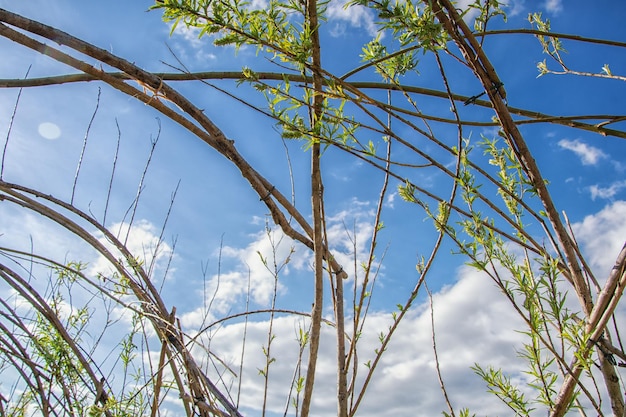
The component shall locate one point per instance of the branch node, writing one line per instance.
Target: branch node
(269, 193)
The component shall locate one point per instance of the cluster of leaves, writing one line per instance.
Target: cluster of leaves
(54, 345)
(272, 27)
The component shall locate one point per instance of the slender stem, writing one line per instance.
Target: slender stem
(84, 148)
(6, 143)
(442, 385)
(553, 35)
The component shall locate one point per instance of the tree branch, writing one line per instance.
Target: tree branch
(533, 116)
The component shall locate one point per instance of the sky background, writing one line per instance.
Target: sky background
(218, 226)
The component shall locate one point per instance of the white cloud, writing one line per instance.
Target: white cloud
(589, 155)
(356, 15)
(254, 269)
(618, 166)
(466, 334)
(141, 239)
(349, 230)
(258, 4)
(391, 198)
(607, 192)
(554, 6)
(602, 236)
(190, 34)
(200, 46)
(363, 17)
(474, 323)
(26, 231)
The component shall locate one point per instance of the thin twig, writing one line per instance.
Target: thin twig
(442, 385)
(82, 151)
(114, 165)
(244, 340)
(135, 205)
(6, 142)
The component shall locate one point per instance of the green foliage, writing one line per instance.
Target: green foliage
(407, 192)
(268, 358)
(512, 183)
(390, 66)
(274, 29)
(551, 45)
(59, 340)
(532, 285)
(408, 22)
(464, 412)
(501, 386)
(487, 10)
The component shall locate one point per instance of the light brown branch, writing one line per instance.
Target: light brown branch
(317, 201)
(533, 117)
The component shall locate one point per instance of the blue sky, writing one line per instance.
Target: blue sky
(214, 204)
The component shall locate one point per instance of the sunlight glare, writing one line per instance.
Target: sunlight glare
(49, 131)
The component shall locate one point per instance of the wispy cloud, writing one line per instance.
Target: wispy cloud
(606, 192)
(390, 200)
(192, 44)
(142, 240)
(515, 7)
(251, 265)
(589, 155)
(554, 6)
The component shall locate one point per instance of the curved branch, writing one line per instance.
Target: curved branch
(208, 132)
(484, 71)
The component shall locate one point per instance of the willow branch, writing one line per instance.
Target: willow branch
(317, 201)
(553, 35)
(207, 131)
(484, 71)
(533, 116)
